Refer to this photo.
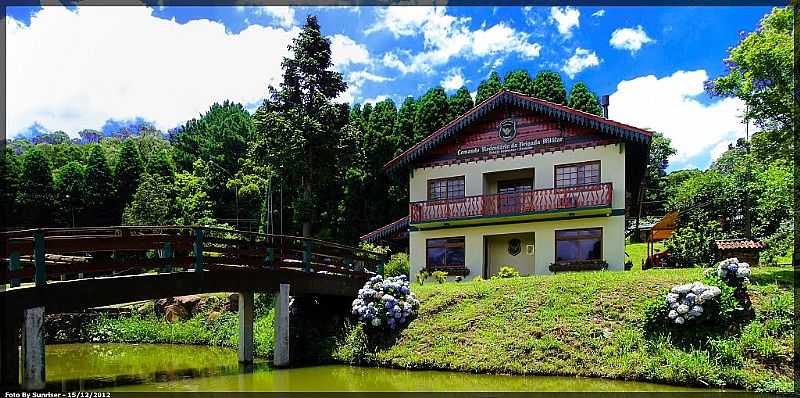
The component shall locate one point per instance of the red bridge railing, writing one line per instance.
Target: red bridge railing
(42, 254)
(506, 204)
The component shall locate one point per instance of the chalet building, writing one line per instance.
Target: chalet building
(521, 182)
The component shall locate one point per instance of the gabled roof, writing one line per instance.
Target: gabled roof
(386, 231)
(503, 97)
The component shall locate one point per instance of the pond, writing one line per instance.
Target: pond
(159, 367)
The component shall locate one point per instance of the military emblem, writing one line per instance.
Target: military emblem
(508, 130)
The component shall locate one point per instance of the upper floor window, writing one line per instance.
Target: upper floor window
(570, 175)
(446, 188)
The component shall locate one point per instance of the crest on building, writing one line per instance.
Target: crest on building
(507, 130)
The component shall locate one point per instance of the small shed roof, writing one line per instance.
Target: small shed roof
(737, 244)
(664, 227)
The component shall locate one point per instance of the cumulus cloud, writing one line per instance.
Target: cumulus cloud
(355, 82)
(445, 37)
(599, 13)
(631, 39)
(454, 80)
(71, 70)
(670, 105)
(345, 51)
(580, 60)
(566, 19)
(280, 15)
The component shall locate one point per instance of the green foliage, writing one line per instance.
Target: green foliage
(422, 276)
(507, 272)
(69, 192)
(36, 195)
(459, 103)
(519, 81)
(439, 276)
(192, 203)
(432, 113)
(582, 99)
(397, 265)
(99, 189)
(488, 87)
(151, 204)
(693, 244)
(10, 170)
(548, 86)
(127, 172)
(404, 128)
(161, 164)
(705, 197)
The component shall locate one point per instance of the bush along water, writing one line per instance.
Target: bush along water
(385, 304)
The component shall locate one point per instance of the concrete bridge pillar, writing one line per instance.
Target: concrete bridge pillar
(33, 349)
(281, 354)
(246, 303)
(9, 353)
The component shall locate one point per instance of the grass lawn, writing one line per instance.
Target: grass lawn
(586, 324)
(638, 253)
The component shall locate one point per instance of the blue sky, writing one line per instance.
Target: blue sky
(80, 68)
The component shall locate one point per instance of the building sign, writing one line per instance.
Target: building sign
(508, 147)
(507, 130)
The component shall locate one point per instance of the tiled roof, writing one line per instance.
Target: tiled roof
(607, 126)
(386, 230)
(727, 244)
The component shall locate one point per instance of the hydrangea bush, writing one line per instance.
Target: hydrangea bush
(386, 303)
(733, 273)
(686, 301)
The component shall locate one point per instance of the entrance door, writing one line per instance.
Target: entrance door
(509, 200)
(510, 250)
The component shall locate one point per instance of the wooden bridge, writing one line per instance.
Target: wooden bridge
(61, 270)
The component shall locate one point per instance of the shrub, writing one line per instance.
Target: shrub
(693, 244)
(733, 273)
(507, 272)
(439, 276)
(422, 276)
(397, 265)
(779, 244)
(385, 303)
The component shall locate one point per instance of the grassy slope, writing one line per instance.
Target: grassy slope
(638, 252)
(584, 324)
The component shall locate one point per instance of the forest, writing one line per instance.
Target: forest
(305, 164)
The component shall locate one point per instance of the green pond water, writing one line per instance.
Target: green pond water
(158, 367)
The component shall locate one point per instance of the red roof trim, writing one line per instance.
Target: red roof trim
(387, 229)
(427, 141)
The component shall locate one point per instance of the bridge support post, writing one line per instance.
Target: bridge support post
(281, 322)
(33, 349)
(246, 303)
(9, 353)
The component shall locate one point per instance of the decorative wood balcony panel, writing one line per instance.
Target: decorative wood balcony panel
(512, 204)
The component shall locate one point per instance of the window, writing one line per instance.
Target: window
(445, 253)
(577, 174)
(579, 245)
(446, 188)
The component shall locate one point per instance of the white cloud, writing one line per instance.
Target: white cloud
(580, 60)
(71, 70)
(631, 39)
(355, 81)
(669, 105)
(566, 19)
(375, 100)
(445, 37)
(345, 51)
(599, 13)
(454, 80)
(282, 15)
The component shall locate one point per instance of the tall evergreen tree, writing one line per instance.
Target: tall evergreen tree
(432, 113)
(160, 164)
(404, 127)
(581, 98)
(488, 87)
(99, 190)
(549, 87)
(127, 172)
(9, 180)
(519, 81)
(299, 124)
(69, 193)
(380, 141)
(36, 196)
(459, 103)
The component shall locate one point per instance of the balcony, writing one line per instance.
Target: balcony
(518, 205)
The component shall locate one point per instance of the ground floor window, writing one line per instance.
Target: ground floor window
(445, 252)
(579, 245)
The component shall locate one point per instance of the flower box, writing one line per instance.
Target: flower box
(591, 265)
(451, 271)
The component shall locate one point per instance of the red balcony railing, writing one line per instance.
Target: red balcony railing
(507, 204)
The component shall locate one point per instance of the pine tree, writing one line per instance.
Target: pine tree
(459, 103)
(10, 182)
(379, 140)
(581, 98)
(519, 81)
(432, 113)
(99, 190)
(36, 196)
(69, 192)
(549, 87)
(488, 87)
(127, 172)
(404, 128)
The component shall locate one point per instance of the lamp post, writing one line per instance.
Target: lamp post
(236, 190)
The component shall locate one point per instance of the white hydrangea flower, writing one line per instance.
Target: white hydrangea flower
(679, 320)
(672, 314)
(683, 308)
